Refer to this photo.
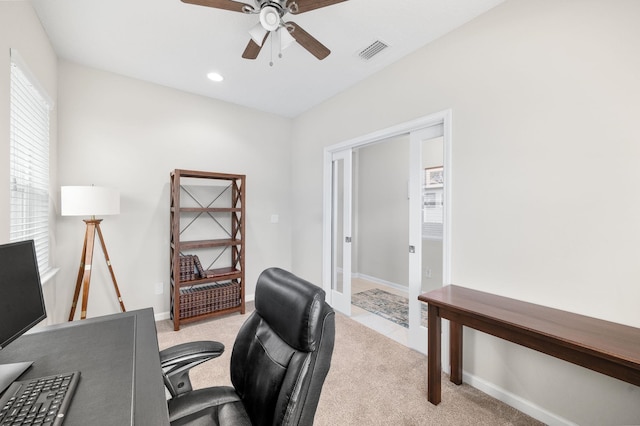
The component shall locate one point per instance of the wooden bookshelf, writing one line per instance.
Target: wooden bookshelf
(207, 215)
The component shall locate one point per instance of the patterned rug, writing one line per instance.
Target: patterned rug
(389, 306)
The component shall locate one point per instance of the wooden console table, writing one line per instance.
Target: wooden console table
(606, 347)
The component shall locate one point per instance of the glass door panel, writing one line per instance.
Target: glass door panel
(341, 231)
(426, 259)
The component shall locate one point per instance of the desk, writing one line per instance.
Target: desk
(606, 347)
(117, 355)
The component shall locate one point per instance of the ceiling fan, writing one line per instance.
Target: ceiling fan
(272, 23)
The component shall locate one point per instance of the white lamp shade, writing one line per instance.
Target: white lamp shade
(89, 201)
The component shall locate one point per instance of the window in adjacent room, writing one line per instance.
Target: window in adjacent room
(432, 204)
(29, 161)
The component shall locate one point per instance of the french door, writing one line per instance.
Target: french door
(338, 218)
(429, 169)
(341, 218)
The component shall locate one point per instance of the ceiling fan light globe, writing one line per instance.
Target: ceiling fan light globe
(257, 33)
(269, 18)
(286, 39)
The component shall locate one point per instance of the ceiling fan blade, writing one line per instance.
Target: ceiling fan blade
(253, 49)
(307, 5)
(307, 41)
(219, 4)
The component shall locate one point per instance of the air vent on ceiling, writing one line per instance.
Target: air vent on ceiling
(372, 50)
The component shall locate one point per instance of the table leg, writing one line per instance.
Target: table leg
(434, 351)
(455, 352)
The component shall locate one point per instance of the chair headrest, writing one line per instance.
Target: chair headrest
(292, 307)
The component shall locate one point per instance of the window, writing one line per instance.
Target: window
(432, 214)
(29, 161)
(432, 204)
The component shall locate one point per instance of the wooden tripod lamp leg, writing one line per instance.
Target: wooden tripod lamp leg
(84, 272)
(76, 293)
(113, 276)
(88, 262)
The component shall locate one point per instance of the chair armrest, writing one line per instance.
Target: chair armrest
(176, 362)
(191, 350)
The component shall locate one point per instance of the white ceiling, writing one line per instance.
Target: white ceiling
(176, 44)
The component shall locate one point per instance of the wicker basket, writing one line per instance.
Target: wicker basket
(205, 298)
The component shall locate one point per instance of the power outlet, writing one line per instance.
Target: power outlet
(159, 288)
(428, 273)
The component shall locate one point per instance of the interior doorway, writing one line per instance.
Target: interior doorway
(381, 222)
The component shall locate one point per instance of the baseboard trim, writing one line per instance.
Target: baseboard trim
(513, 400)
(380, 281)
(161, 316)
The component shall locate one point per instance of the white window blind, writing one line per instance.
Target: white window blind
(432, 214)
(29, 162)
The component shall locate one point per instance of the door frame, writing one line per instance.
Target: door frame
(445, 119)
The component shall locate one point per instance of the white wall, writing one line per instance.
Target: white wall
(128, 134)
(545, 97)
(20, 29)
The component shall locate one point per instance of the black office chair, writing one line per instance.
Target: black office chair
(279, 362)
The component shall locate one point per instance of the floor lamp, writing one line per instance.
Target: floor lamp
(90, 201)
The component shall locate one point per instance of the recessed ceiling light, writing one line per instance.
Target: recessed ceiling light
(214, 76)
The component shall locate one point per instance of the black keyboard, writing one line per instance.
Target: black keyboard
(42, 401)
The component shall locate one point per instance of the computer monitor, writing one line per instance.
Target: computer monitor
(21, 301)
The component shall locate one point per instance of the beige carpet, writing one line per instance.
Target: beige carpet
(372, 381)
